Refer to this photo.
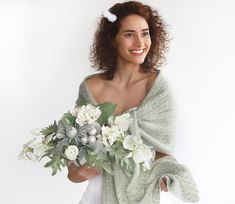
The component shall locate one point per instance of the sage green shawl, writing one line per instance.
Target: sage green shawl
(154, 121)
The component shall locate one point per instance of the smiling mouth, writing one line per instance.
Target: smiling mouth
(137, 52)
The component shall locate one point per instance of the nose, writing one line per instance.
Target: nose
(139, 41)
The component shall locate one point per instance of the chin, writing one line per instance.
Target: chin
(139, 61)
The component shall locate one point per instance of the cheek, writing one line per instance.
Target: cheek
(124, 45)
(149, 42)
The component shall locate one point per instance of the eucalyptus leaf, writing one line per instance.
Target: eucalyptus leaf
(107, 168)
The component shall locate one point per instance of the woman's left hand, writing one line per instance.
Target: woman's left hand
(163, 184)
(163, 181)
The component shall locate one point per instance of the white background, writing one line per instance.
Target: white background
(44, 48)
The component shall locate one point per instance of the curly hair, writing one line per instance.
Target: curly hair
(103, 55)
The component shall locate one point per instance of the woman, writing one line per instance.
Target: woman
(130, 41)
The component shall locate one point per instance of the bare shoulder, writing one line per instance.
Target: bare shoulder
(95, 82)
(152, 76)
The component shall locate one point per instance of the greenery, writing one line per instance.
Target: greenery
(50, 129)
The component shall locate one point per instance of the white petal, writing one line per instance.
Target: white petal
(36, 131)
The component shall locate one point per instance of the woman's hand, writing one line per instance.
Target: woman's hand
(163, 181)
(163, 184)
(78, 174)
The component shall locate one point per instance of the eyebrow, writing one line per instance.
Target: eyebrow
(134, 30)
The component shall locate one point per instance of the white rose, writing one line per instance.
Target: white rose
(71, 152)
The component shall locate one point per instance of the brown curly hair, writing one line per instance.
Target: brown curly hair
(103, 55)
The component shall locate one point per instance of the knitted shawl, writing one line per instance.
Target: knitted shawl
(154, 122)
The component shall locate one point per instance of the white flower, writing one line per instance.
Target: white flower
(110, 135)
(110, 120)
(146, 166)
(74, 112)
(27, 150)
(131, 142)
(87, 114)
(36, 132)
(32, 151)
(142, 154)
(71, 152)
(111, 17)
(123, 121)
(39, 149)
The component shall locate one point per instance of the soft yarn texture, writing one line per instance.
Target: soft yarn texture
(154, 122)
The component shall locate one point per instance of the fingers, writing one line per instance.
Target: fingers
(84, 171)
(88, 173)
(163, 184)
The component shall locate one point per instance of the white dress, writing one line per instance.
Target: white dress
(93, 192)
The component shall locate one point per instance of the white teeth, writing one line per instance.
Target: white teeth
(137, 51)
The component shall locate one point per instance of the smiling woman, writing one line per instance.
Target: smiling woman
(129, 44)
(151, 27)
(133, 44)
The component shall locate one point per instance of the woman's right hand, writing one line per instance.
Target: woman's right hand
(78, 174)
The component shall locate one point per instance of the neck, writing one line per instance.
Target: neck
(126, 74)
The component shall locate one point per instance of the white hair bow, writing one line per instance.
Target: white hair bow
(111, 17)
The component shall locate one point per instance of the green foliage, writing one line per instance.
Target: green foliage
(117, 153)
(50, 129)
(100, 161)
(107, 110)
(55, 163)
(69, 118)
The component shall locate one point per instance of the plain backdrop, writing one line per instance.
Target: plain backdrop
(44, 49)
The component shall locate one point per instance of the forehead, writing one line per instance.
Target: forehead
(134, 22)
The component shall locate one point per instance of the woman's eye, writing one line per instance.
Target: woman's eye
(128, 35)
(145, 33)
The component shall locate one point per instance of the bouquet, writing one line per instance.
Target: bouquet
(89, 134)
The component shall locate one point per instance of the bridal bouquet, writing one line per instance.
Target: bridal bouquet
(89, 134)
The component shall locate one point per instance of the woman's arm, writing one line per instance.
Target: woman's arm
(80, 174)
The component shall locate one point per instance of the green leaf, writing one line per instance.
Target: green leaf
(50, 129)
(107, 110)
(69, 118)
(107, 167)
(55, 163)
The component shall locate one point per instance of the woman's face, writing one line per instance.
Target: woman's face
(132, 40)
